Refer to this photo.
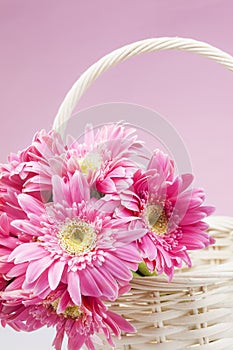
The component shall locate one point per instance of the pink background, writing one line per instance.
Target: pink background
(46, 45)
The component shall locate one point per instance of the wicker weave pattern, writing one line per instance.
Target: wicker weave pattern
(194, 311)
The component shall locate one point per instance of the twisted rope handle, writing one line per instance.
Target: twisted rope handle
(124, 53)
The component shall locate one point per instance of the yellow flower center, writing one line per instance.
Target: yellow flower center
(77, 237)
(70, 312)
(91, 162)
(157, 219)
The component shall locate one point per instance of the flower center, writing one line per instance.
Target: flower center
(70, 312)
(157, 219)
(91, 162)
(77, 237)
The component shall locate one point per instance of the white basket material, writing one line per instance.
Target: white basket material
(194, 311)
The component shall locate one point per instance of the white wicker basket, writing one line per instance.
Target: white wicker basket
(195, 310)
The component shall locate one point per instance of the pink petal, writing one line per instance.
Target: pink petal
(127, 236)
(63, 303)
(187, 179)
(163, 164)
(116, 268)
(4, 224)
(26, 226)
(193, 217)
(208, 209)
(119, 171)
(121, 322)
(30, 204)
(76, 342)
(128, 253)
(106, 186)
(43, 293)
(55, 273)
(10, 242)
(149, 247)
(4, 268)
(17, 270)
(107, 204)
(105, 284)
(125, 288)
(16, 284)
(165, 255)
(26, 252)
(122, 184)
(36, 268)
(57, 342)
(74, 287)
(114, 326)
(57, 165)
(130, 205)
(60, 190)
(42, 285)
(79, 188)
(88, 283)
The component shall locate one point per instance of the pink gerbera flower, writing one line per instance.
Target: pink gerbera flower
(171, 213)
(81, 323)
(104, 158)
(31, 170)
(74, 242)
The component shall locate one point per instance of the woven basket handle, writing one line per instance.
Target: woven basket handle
(125, 52)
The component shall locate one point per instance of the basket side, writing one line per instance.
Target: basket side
(194, 311)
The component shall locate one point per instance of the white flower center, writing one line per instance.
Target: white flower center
(77, 237)
(156, 219)
(91, 162)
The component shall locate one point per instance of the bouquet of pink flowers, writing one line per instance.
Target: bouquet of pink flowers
(77, 220)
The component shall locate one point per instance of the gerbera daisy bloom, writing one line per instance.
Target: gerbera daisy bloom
(104, 158)
(75, 243)
(81, 323)
(171, 213)
(30, 170)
